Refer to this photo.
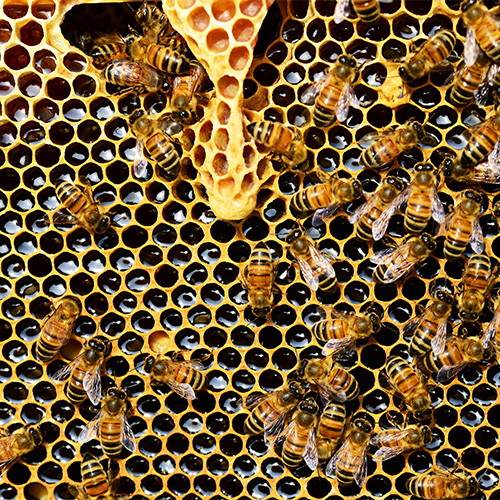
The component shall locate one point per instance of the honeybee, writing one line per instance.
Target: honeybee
(477, 281)
(332, 381)
(457, 354)
(411, 386)
(108, 47)
(483, 142)
(422, 203)
(443, 485)
(349, 464)
(333, 94)
(300, 436)
(317, 270)
(285, 141)
(393, 442)
(365, 216)
(270, 411)
(394, 263)
(391, 143)
(85, 211)
(468, 80)
(151, 19)
(483, 27)
(487, 171)
(463, 225)
(110, 425)
(326, 198)
(85, 371)
(57, 329)
(97, 483)
(343, 330)
(258, 279)
(430, 56)
(125, 73)
(154, 136)
(330, 429)
(14, 446)
(367, 10)
(184, 88)
(183, 377)
(429, 328)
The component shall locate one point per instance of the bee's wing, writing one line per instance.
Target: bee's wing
(438, 213)
(341, 11)
(415, 322)
(140, 161)
(471, 49)
(477, 238)
(309, 96)
(5, 466)
(363, 209)
(91, 429)
(322, 262)
(491, 330)
(62, 374)
(362, 472)
(311, 450)
(332, 393)
(446, 373)
(103, 38)
(380, 225)
(127, 437)
(337, 314)
(342, 106)
(439, 341)
(382, 256)
(488, 171)
(77, 492)
(395, 271)
(334, 346)
(308, 274)
(323, 215)
(254, 399)
(273, 427)
(61, 218)
(92, 384)
(384, 441)
(184, 390)
(190, 363)
(339, 455)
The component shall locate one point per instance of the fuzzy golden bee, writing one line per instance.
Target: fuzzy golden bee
(85, 212)
(110, 425)
(14, 446)
(98, 484)
(57, 328)
(184, 89)
(367, 10)
(334, 93)
(140, 76)
(330, 429)
(343, 330)
(300, 436)
(326, 198)
(477, 281)
(349, 463)
(429, 327)
(258, 278)
(487, 172)
(483, 31)
(389, 144)
(394, 263)
(366, 215)
(422, 203)
(463, 226)
(284, 141)
(85, 371)
(183, 377)
(430, 56)
(316, 269)
(332, 381)
(411, 386)
(443, 485)
(269, 412)
(155, 136)
(393, 442)
(457, 354)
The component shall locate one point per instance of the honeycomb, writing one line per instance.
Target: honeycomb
(167, 275)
